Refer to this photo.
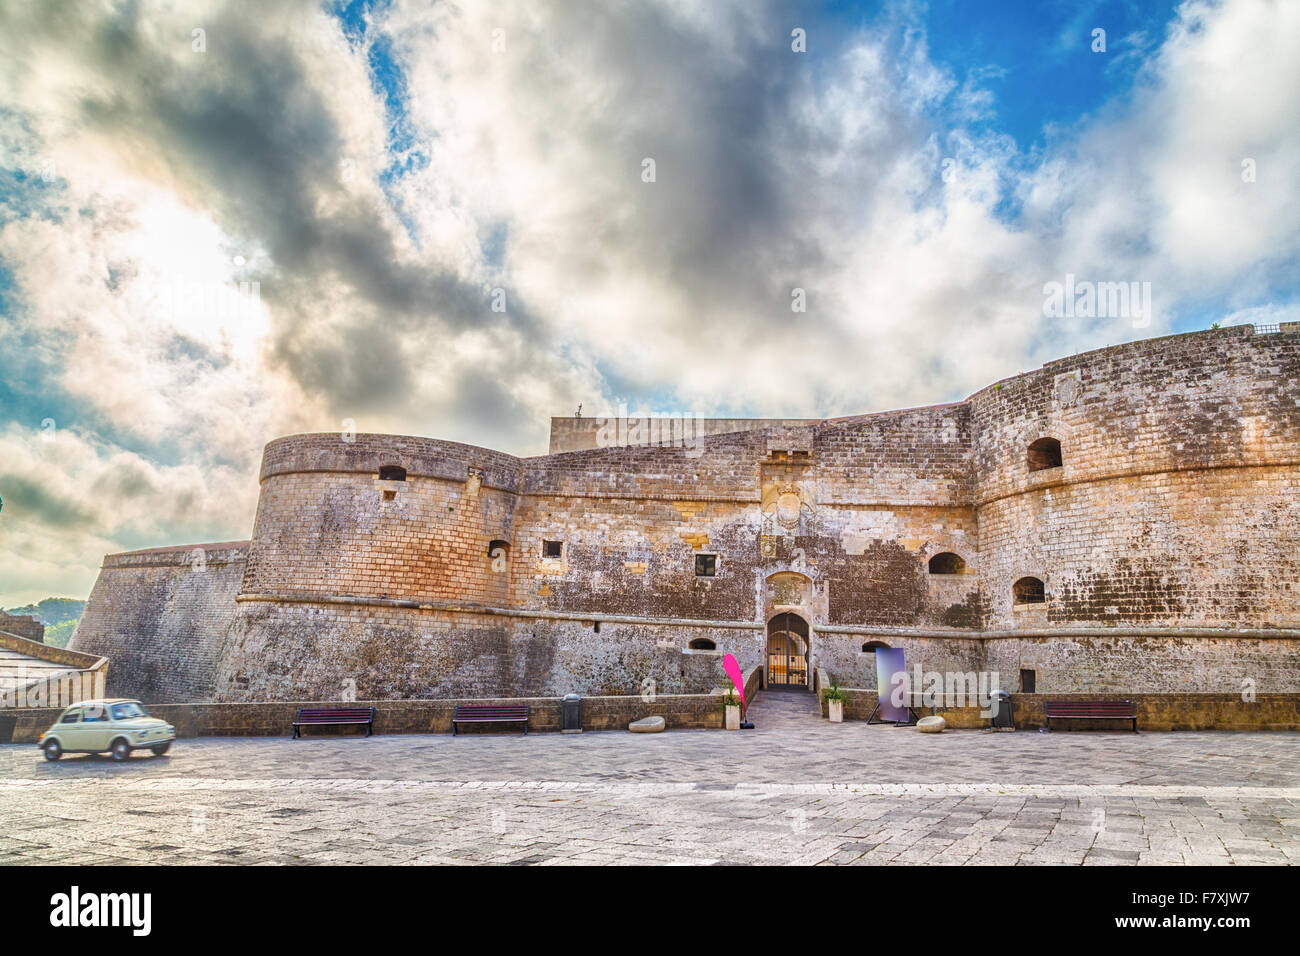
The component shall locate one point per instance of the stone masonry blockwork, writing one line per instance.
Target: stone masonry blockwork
(1165, 543)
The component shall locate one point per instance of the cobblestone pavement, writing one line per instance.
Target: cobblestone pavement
(797, 789)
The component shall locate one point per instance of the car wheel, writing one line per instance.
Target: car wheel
(121, 750)
(161, 749)
(52, 750)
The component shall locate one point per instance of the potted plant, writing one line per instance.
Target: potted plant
(835, 699)
(731, 708)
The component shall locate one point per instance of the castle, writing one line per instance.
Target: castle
(1124, 520)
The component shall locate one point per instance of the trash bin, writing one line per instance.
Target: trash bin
(1003, 716)
(571, 714)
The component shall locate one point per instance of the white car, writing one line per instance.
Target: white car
(115, 726)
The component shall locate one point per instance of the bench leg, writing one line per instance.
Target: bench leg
(453, 728)
(1049, 725)
(296, 728)
(369, 729)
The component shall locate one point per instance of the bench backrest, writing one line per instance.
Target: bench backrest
(498, 711)
(1089, 708)
(357, 714)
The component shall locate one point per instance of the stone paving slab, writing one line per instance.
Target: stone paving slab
(797, 790)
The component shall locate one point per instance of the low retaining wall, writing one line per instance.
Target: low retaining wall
(1154, 711)
(275, 719)
(46, 676)
(48, 652)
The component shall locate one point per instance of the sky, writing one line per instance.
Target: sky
(457, 220)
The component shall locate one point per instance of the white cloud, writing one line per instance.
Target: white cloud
(774, 170)
(69, 499)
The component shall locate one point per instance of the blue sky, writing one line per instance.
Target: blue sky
(1028, 55)
(303, 220)
(1025, 53)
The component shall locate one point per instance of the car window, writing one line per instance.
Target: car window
(71, 717)
(129, 709)
(95, 713)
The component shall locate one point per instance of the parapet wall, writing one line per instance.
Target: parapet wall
(275, 718)
(1225, 398)
(35, 674)
(582, 434)
(1155, 712)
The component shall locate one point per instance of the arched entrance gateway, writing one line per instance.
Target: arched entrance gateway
(787, 652)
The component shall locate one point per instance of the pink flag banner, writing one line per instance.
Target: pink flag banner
(733, 671)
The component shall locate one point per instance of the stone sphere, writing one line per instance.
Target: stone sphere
(931, 725)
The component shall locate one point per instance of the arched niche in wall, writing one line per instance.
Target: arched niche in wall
(1028, 590)
(947, 562)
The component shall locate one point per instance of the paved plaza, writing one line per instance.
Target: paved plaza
(797, 789)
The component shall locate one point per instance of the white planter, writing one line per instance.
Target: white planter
(836, 711)
(733, 717)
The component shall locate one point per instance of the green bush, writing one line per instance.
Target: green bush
(834, 693)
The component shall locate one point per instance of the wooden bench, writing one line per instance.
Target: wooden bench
(1091, 710)
(334, 716)
(490, 714)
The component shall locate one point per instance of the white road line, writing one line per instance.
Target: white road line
(866, 789)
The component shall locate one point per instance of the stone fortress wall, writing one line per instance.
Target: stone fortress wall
(1165, 543)
(160, 616)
